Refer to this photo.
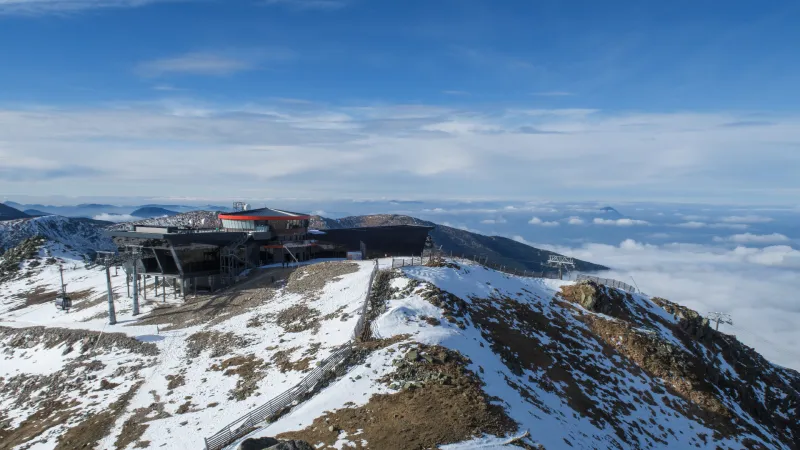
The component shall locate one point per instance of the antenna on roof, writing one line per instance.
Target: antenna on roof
(561, 262)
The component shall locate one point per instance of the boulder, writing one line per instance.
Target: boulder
(258, 443)
(584, 294)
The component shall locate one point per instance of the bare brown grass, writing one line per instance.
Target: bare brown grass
(421, 417)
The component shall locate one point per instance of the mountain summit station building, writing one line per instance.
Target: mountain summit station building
(208, 258)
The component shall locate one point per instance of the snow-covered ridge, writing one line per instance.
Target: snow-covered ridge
(81, 235)
(193, 219)
(569, 365)
(592, 368)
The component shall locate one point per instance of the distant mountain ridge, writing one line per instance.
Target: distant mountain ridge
(499, 250)
(152, 211)
(36, 213)
(98, 209)
(192, 219)
(9, 213)
(82, 235)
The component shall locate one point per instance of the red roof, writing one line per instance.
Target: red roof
(264, 214)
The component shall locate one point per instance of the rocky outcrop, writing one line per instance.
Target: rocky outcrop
(714, 371)
(11, 259)
(269, 443)
(80, 341)
(83, 236)
(598, 298)
(258, 443)
(690, 322)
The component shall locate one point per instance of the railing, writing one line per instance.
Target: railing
(245, 424)
(608, 282)
(359, 329)
(483, 260)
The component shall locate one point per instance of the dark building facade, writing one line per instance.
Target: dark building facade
(210, 258)
(399, 240)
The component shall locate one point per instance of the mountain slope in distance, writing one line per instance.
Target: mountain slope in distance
(9, 213)
(499, 250)
(152, 211)
(37, 213)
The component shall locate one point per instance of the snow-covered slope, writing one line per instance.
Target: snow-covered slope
(586, 367)
(82, 235)
(195, 219)
(175, 373)
(459, 357)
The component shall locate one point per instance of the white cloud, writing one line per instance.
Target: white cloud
(692, 225)
(496, 221)
(542, 223)
(522, 240)
(748, 238)
(212, 63)
(747, 219)
(35, 7)
(756, 286)
(460, 226)
(575, 221)
(166, 87)
(116, 218)
(309, 4)
(692, 217)
(696, 225)
(198, 63)
(620, 222)
(553, 94)
(352, 151)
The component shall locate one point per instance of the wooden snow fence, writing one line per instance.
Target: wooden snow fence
(329, 367)
(255, 418)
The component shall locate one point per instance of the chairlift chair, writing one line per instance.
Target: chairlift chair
(63, 302)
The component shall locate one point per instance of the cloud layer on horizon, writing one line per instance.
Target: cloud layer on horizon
(757, 286)
(302, 149)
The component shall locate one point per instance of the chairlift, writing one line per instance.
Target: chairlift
(63, 302)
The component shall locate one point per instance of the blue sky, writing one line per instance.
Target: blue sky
(678, 101)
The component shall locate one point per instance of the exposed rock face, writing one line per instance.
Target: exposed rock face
(693, 366)
(269, 443)
(258, 443)
(598, 298)
(11, 259)
(691, 322)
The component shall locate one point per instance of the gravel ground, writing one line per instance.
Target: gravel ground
(309, 281)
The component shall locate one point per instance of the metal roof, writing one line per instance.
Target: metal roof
(263, 213)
